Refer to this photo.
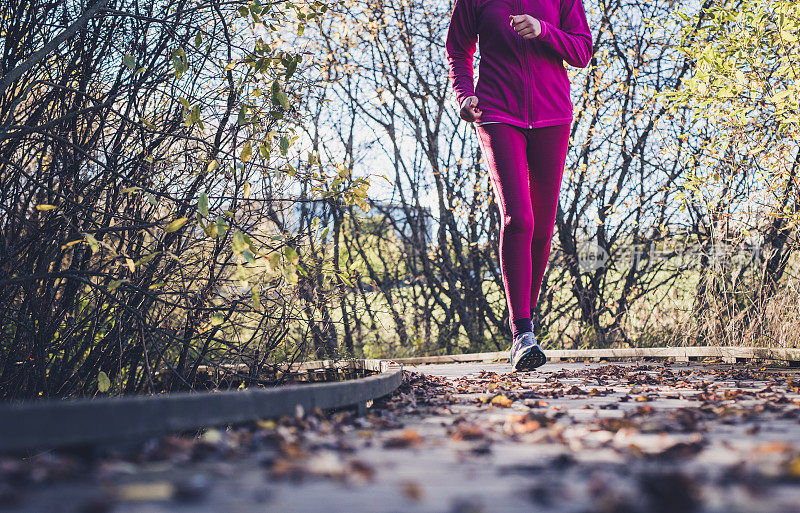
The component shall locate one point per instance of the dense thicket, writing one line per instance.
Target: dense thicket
(151, 199)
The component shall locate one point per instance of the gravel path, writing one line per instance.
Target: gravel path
(469, 438)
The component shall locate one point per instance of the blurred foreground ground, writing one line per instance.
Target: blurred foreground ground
(469, 438)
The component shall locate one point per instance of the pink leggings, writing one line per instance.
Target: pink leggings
(525, 166)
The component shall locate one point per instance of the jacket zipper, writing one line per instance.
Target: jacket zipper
(526, 118)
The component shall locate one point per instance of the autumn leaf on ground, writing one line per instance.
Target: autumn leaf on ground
(137, 492)
(502, 401)
(412, 490)
(468, 431)
(518, 424)
(407, 438)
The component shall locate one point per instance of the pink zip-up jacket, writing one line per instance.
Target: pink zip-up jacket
(521, 81)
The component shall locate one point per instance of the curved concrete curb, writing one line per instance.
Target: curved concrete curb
(48, 424)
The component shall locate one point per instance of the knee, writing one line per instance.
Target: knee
(518, 222)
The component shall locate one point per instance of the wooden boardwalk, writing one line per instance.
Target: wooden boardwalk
(469, 438)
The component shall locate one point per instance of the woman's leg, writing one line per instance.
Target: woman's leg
(504, 148)
(547, 153)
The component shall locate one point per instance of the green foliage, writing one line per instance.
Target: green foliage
(176, 225)
(745, 89)
(747, 56)
(103, 382)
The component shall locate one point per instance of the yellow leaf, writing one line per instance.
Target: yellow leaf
(176, 225)
(146, 259)
(274, 261)
(159, 491)
(794, 467)
(291, 254)
(147, 123)
(92, 242)
(266, 424)
(72, 243)
(103, 382)
(247, 152)
(501, 400)
(46, 207)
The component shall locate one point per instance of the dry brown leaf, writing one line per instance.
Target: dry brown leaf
(774, 447)
(502, 401)
(466, 431)
(362, 470)
(407, 438)
(520, 424)
(412, 490)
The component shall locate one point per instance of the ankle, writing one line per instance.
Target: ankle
(520, 326)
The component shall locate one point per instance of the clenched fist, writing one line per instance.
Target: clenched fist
(469, 110)
(526, 26)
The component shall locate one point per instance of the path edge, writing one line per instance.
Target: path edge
(51, 424)
(679, 354)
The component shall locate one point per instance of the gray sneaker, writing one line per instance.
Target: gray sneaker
(526, 354)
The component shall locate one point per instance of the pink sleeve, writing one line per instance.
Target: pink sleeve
(572, 41)
(462, 36)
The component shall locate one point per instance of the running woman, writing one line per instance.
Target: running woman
(522, 114)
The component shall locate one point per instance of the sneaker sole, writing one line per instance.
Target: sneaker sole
(531, 360)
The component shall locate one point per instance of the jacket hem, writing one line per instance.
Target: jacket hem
(563, 120)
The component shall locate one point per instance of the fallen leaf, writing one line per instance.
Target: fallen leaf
(412, 490)
(468, 431)
(361, 469)
(502, 401)
(159, 491)
(407, 438)
(266, 424)
(793, 467)
(520, 424)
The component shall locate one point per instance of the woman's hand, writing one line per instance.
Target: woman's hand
(526, 26)
(469, 110)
